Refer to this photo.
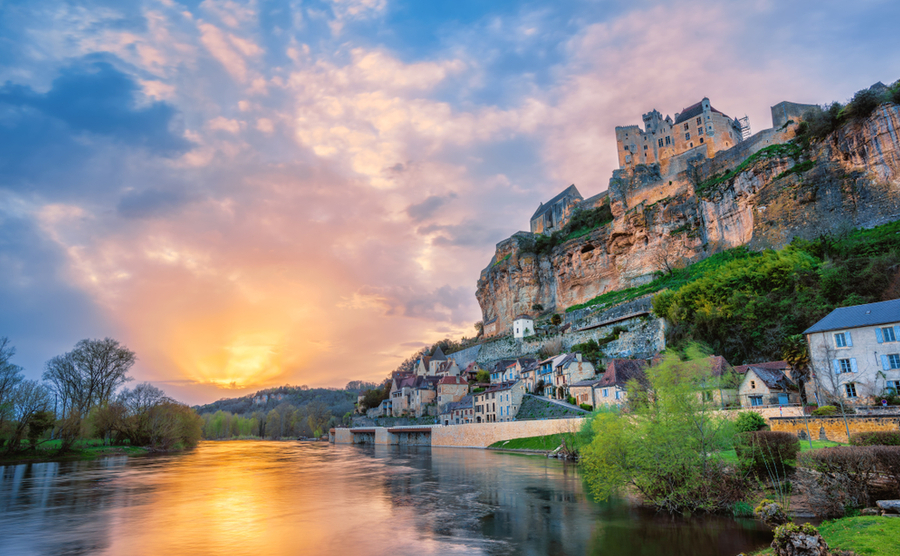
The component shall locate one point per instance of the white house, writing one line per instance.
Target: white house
(855, 351)
(523, 326)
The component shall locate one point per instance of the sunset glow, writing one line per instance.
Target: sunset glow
(260, 193)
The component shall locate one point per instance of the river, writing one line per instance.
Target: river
(294, 498)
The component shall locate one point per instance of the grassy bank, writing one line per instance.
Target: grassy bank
(863, 535)
(730, 456)
(545, 443)
(84, 450)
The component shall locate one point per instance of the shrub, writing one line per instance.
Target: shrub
(844, 475)
(749, 421)
(586, 407)
(789, 537)
(825, 410)
(875, 438)
(888, 461)
(571, 400)
(771, 513)
(767, 449)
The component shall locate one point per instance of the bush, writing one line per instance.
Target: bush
(888, 462)
(767, 449)
(844, 476)
(749, 421)
(824, 411)
(875, 438)
(571, 400)
(586, 407)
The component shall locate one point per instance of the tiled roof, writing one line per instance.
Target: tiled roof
(620, 371)
(770, 365)
(719, 365)
(453, 380)
(465, 403)
(870, 314)
(775, 380)
(589, 382)
(544, 207)
(523, 316)
(438, 355)
(693, 111)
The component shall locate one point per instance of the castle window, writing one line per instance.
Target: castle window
(699, 120)
(687, 136)
(660, 142)
(701, 140)
(645, 147)
(699, 131)
(668, 140)
(626, 147)
(685, 127)
(692, 146)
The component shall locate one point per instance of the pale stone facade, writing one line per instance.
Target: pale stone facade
(697, 126)
(766, 387)
(523, 326)
(855, 352)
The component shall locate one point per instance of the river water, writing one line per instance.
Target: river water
(290, 498)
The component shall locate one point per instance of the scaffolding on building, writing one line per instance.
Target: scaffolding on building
(745, 128)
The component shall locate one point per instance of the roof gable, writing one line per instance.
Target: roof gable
(544, 207)
(870, 314)
(693, 111)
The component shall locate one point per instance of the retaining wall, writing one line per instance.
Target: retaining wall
(482, 435)
(832, 428)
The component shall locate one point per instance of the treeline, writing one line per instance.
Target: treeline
(281, 412)
(82, 397)
(283, 421)
(749, 309)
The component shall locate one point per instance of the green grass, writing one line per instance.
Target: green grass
(672, 280)
(548, 443)
(730, 456)
(864, 535)
(793, 150)
(82, 450)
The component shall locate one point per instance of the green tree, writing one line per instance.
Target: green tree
(482, 376)
(555, 319)
(667, 447)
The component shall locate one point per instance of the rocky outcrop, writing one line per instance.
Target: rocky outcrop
(850, 179)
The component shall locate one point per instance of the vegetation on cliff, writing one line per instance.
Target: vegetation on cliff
(747, 309)
(581, 223)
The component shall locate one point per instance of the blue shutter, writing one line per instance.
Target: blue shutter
(879, 336)
(837, 366)
(885, 364)
(849, 339)
(853, 365)
(897, 332)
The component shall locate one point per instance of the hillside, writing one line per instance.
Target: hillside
(801, 180)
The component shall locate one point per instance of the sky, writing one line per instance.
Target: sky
(259, 193)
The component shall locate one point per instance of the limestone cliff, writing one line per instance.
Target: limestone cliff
(761, 193)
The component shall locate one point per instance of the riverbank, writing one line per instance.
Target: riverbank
(82, 451)
(869, 535)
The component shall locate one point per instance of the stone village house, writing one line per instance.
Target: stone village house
(766, 387)
(612, 388)
(855, 352)
(499, 402)
(460, 412)
(451, 389)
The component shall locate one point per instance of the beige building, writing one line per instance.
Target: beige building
(583, 391)
(459, 413)
(855, 352)
(451, 389)
(767, 387)
(698, 125)
(612, 388)
(570, 370)
(499, 403)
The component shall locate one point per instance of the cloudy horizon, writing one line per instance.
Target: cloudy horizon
(250, 194)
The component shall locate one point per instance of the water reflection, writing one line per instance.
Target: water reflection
(310, 498)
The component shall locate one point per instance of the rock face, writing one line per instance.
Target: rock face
(850, 179)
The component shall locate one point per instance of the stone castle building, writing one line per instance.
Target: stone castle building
(699, 126)
(552, 216)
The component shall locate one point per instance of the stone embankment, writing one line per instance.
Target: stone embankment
(833, 428)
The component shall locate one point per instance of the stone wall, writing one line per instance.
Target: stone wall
(645, 337)
(832, 428)
(481, 435)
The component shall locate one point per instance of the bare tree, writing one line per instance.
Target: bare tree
(10, 378)
(89, 375)
(31, 398)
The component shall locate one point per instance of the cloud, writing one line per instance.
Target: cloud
(151, 202)
(97, 99)
(426, 208)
